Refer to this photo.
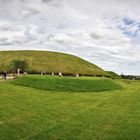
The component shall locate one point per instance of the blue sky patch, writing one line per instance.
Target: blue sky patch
(130, 33)
(128, 21)
(130, 28)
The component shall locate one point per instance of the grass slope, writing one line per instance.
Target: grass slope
(50, 61)
(114, 75)
(68, 84)
(32, 114)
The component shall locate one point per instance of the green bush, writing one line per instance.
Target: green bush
(18, 64)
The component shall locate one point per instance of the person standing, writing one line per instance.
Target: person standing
(5, 75)
(60, 74)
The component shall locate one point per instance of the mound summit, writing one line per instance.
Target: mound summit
(39, 61)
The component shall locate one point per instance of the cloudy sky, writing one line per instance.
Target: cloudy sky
(105, 32)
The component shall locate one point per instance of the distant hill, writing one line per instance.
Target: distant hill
(114, 75)
(39, 61)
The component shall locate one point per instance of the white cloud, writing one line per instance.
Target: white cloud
(92, 29)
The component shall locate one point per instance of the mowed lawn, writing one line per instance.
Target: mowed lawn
(31, 114)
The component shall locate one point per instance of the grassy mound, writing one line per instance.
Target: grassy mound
(39, 61)
(114, 75)
(82, 84)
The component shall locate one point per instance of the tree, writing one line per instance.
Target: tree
(18, 64)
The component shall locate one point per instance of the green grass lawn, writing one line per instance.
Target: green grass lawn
(70, 84)
(32, 114)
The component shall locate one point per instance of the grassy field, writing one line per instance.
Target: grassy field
(70, 84)
(32, 114)
(39, 61)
